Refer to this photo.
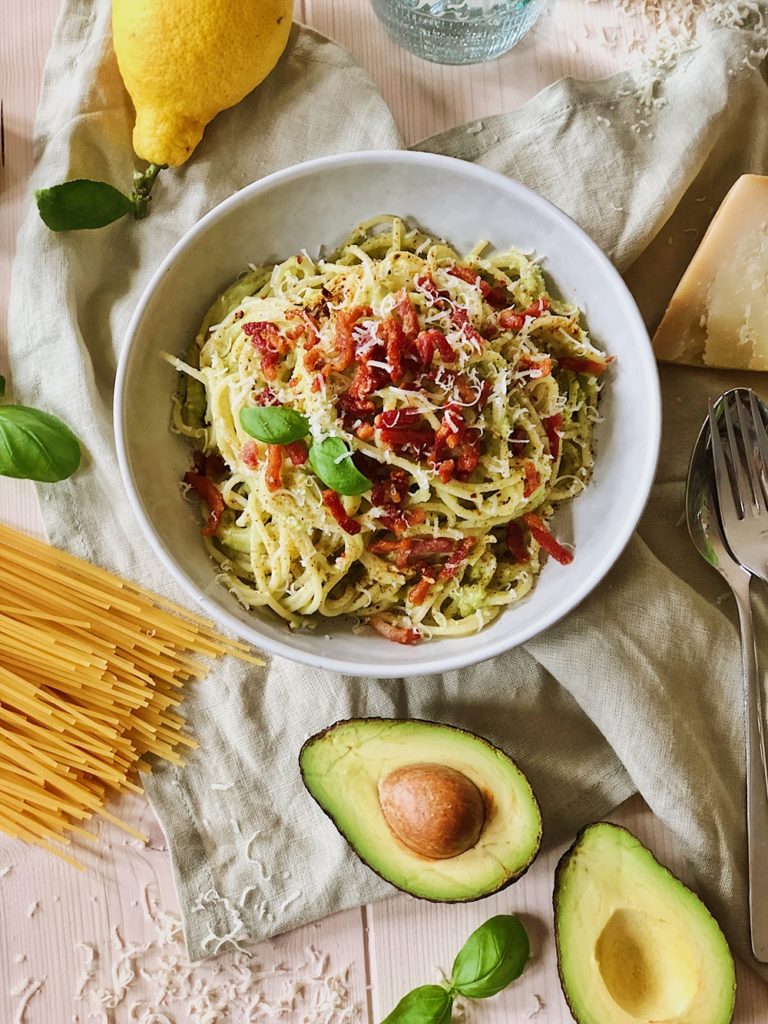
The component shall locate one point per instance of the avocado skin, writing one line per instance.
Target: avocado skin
(563, 863)
(318, 736)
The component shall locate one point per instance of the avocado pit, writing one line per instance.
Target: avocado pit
(436, 811)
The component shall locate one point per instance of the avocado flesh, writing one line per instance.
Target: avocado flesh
(635, 945)
(342, 768)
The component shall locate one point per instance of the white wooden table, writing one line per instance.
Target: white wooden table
(378, 952)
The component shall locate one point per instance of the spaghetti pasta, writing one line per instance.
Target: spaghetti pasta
(462, 395)
(92, 669)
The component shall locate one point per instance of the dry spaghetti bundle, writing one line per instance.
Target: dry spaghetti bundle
(91, 669)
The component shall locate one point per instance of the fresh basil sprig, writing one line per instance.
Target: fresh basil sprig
(332, 461)
(429, 1004)
(494, 955)
(491, 958)
(84, 204)
(36, 446)
(274, 424)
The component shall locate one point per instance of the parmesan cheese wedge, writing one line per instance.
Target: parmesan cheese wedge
(718, 315)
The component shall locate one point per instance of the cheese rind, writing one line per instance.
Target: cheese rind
(718, 315)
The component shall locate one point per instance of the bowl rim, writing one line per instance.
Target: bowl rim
(609, 555)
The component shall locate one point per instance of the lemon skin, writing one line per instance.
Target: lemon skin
(184, 61)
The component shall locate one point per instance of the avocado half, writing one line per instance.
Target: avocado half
(349, 767)
(635, 945)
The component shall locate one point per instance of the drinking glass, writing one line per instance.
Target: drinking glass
(457, 31)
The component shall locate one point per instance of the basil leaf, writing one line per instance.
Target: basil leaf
(332, 462)
(35, 445)
(429, 1004)
(81, 204)
(492, 957)
(2, 385)
(273, 424)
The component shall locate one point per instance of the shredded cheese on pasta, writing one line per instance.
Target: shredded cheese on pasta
(460, 388)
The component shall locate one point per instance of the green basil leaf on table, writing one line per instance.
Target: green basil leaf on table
(36, 446)
(492, 957)
(332, 461)
(80, 204)
(274, 424)
(428, 1004)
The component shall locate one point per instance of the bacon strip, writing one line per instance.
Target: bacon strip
(249, 453)
(541, 534)
(460, 319)
(515, 542)
(274, 476)
(296, 452)
(590, 366)
(270, 344)
(514, 320)
(344, 338)
(552, 426)
(532, 480)
(206, 489)
(339, 513)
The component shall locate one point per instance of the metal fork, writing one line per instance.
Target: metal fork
(741, 480)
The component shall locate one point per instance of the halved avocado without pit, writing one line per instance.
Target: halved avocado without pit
(439, 812)
(634, 944)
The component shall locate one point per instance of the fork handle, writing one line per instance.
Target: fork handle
(757, 782)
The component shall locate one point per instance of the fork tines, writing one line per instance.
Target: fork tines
(741, 463)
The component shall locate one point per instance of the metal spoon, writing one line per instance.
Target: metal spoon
(704, 527)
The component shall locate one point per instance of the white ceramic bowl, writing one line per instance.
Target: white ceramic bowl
(316, 204)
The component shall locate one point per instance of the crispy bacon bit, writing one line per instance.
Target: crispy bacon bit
(391, 333)
(366, 381)
(553, 425)
(267, 397)
(315, 360)
(274, 467)
(459, 555)
(542, 367)
(428, 341)
(249, 453)
(427, 286)
(514, 320)
(406, 416)
(515, 542)
(400, 634)
(344, 338)
(590, 366)
(460, 319)
(469, 455)
(485, 393)
(391, 489)
(206, 489)
(296, 452)
(419, 593)
(317, 382)
(532, 479)
(544, 538)
(419, 439)
(339, 513)
(365, 431)
(270, 344)
(409, 318)
(446, 470)
(312, 329)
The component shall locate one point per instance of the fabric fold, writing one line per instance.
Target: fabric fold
(641, 682)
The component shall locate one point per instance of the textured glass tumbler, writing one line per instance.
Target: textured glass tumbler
(457, 31)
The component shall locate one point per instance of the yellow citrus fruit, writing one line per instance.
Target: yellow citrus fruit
(183, 61)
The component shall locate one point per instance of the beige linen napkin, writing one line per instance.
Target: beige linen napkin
(638, 689)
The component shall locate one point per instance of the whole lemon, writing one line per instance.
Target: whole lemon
(184, 61)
